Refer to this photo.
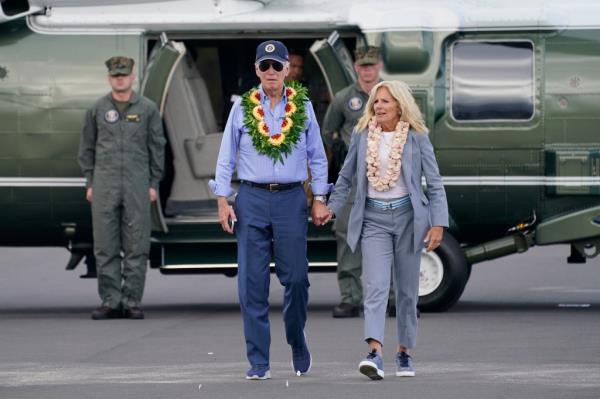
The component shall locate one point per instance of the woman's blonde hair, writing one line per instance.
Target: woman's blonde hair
(403, 95)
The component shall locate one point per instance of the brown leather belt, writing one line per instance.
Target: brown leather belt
(273, 187)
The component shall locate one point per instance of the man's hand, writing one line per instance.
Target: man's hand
(153, 194)
(226, 214)
(88, 194)
(320, 213)
(434, 237)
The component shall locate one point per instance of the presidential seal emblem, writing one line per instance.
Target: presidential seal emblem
(269, 48)
(111, 116)
(355, 103)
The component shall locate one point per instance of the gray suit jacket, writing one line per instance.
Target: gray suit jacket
(418, 160)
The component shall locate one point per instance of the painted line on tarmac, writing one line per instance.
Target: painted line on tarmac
(565, 375)
(566, 289)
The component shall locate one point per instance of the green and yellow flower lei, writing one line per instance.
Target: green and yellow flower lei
(282, 143)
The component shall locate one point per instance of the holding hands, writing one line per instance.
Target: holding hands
(320, 213)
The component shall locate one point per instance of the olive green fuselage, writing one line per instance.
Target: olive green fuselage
(499, 172)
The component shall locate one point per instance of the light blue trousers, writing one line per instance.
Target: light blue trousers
(387, 243)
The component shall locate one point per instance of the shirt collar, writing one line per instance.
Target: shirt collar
(135, 97)
(264, 96)
(360, 90)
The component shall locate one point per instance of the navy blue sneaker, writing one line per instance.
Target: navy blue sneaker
(301, 359)
(372, 366)
(258, 373)
(404, 365)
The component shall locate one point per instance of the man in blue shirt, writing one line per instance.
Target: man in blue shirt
(270, 136)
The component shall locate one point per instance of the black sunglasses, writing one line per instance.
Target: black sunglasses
(265, 65)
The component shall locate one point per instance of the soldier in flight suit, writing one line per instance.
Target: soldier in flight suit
(121, 155)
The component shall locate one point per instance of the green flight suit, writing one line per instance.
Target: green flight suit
(342, 115)
(121, 154)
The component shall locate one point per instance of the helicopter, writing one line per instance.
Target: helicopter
(510, 94)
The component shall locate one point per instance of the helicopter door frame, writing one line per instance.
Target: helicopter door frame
(335, 61)
(163, 60)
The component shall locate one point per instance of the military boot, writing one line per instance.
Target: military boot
(346, 310)
(106, 312)
(135, 313)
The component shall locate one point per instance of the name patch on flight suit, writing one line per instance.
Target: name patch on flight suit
(355, 103)
(132, 118)
(111, 116)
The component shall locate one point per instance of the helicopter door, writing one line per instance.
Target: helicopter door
(157, 76)
(335, 62)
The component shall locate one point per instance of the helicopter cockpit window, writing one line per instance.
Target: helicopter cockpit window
(492, 80)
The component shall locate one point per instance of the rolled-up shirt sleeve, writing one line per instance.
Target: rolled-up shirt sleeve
(226, 162)
(317, 160)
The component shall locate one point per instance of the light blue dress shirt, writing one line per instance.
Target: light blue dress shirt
(237, 149)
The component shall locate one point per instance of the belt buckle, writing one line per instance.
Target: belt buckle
(273, 187)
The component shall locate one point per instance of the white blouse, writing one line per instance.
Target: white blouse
(400, 189)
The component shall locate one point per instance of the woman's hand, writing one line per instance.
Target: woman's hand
(328, 217)
(320, 213)
(434, 237)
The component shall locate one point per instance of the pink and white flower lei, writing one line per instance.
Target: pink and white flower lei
(388, 180)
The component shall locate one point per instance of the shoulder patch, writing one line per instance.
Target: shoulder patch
(355, 103)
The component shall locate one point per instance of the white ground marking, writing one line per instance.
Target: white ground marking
(38, 374)
(565, 289)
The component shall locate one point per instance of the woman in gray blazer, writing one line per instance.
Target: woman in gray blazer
(392, 218)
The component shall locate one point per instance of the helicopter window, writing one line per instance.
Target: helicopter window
(12, 8)
(492, 80)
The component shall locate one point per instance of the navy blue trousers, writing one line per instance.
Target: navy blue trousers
(271, 225)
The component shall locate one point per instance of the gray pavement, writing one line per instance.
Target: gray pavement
(527, 326)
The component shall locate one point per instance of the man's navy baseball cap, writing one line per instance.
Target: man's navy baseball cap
(272, 50)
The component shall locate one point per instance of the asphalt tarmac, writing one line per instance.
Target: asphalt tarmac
(527, 326)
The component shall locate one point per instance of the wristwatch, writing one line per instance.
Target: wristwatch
(320, 198)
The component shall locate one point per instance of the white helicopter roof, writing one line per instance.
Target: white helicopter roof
(63, 16)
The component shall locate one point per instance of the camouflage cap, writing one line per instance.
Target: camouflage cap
(119, 65)
(367, 55)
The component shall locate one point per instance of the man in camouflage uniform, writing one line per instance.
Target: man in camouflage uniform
(121, 154)
(341, 117)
